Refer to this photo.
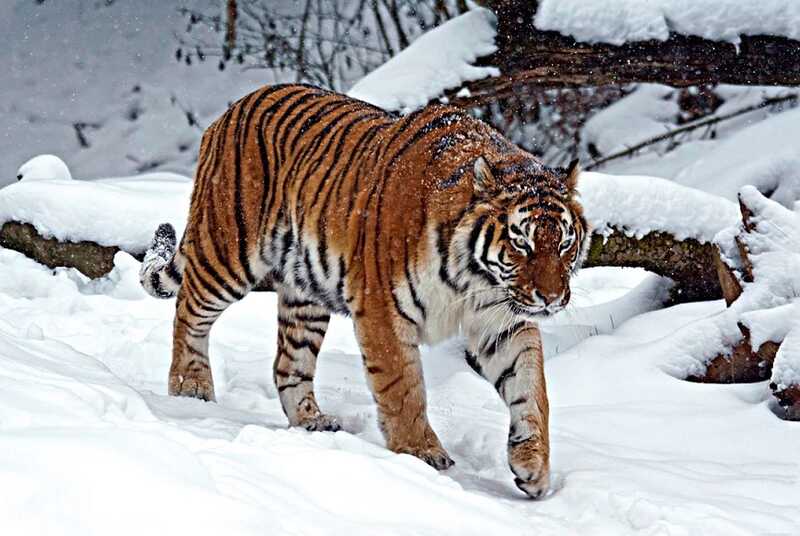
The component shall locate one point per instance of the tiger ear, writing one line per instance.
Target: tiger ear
(571, 177)
(484, 179)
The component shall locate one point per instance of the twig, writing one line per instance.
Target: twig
(708, 121)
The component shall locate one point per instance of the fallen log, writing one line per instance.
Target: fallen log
(530, 57)
(687, 262)
(91, 259)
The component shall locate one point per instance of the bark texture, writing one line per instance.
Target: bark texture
(689, 263)
(789, 400)
(89, 258)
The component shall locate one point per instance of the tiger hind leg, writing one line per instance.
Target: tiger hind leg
(301, 329)
(201, 301)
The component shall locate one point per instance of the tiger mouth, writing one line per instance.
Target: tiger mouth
(529, 310)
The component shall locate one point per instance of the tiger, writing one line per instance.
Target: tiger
(419, 227)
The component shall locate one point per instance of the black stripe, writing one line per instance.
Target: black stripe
(337, 181)
(298, 302)
(411, 289)
(475, 234)
(507, 374)
(444, 253)
(491, 347)
(270, 165)
(172, 272)
(191, 328)
(472, 361)
(318, 331)
(239, 213)
(297, 344)
(216, 277)
(441, 121)
(312, 120)
(454, 178)
(399, 308)
(195, 280)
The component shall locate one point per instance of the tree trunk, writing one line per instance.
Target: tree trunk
(231, 13)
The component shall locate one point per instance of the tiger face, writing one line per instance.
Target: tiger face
(528, 234)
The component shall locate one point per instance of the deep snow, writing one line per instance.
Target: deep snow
(91, 444)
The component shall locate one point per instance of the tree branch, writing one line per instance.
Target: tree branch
(708, 121)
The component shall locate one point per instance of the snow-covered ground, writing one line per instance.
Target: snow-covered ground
(91, 444)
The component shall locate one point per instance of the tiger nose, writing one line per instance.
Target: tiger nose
(547, 297)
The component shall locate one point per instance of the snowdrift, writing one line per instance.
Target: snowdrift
(87, 430)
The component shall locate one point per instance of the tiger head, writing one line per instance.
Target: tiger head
(526, 234)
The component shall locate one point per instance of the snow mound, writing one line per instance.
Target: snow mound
(438, 60)
(43, 167)
(767, 306)
(786, 370)
(638, 205)
(647, 112)
(622, 21)
(123, 212)
(758, 155)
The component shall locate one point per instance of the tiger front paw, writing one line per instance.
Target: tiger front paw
(195, 384)
(321, 423)
(529, 462)
(433, 455)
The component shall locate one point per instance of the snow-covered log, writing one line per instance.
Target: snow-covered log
(556, 43)
(689, 263)
(655, 224)
(785, 380)
(89, 258)
(758, 267)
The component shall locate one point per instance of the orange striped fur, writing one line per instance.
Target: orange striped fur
(419, 227)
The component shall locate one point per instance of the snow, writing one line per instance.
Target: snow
(43, 167)
(123, 212)
(438, 60)
(786, 370)
(622, 21)
(750, 149)
(759, 156)
(90, 438)
(110, 69)
(767, 306)
(643, 114)
(637, 205)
